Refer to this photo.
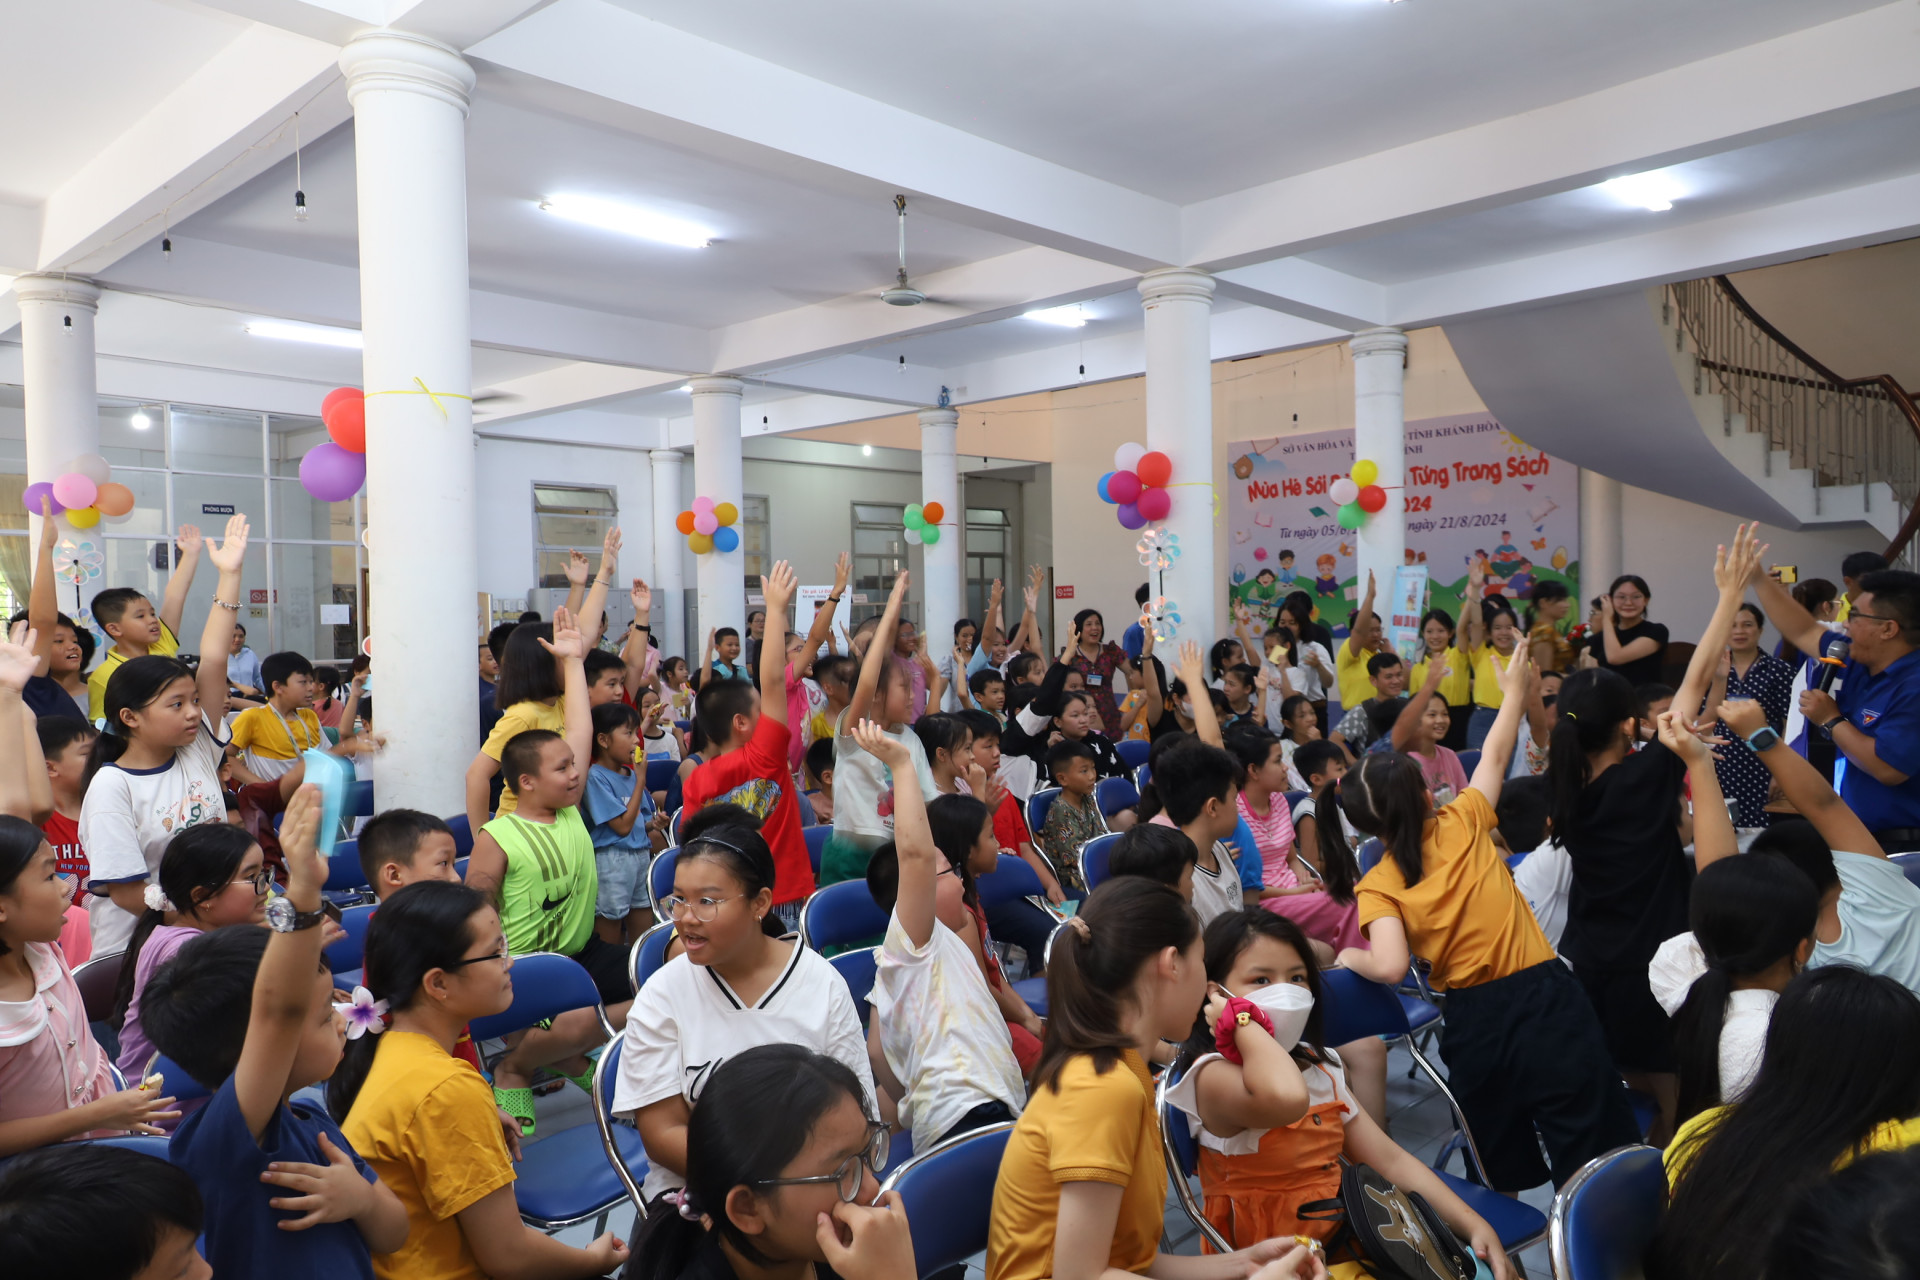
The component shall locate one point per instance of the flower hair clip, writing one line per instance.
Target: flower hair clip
(682, 1200)
(155, 898)
(364, 1014)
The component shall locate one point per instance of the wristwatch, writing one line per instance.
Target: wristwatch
(1827, 728)
(284, 917)
(1763, 739)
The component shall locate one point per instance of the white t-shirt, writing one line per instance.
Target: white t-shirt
(862, 787)
(1217, 892)
(1675, 967)
(1304, 678)
(664, 747)
(686, 1021)
(943, 1035)
(1326, 1082)
(1020, 775)
(130, 815)
(1309, 808)
(1545, 878)
(1879, 919)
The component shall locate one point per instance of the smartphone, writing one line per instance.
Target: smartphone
(1785, 574)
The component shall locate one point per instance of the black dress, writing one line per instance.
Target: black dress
(1640, 671)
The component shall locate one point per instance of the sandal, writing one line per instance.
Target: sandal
(517, 1103)
(585, 1079)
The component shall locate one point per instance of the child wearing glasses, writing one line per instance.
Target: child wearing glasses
(738, 984)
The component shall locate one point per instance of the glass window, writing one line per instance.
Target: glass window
(254, 601)
(217, 440)
(879, 554)
(756, 537)
(209, 501)
(315, 605)
(568, 519)
(133, 434)
(988, 533)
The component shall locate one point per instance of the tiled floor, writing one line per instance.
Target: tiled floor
(1419, 1118)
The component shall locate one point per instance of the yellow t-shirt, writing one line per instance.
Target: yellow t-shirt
(517, 719)
(271, 736)
(1889, 1135)
(1457, 688)
(1486, 677)
(166, 646)
(1465, 916)
(1351, 672)
(425, 1120)
(1138, 731)
(1093, 1128)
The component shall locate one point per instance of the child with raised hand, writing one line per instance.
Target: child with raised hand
(1275, 1116)
(623, 820)
(57, 687)
(436, 959)
(211, 876)
(249, 1014)
(1523, 1048)
(1422, 723)
(938, 1041)
(100, 1212)
(156, 768)
(137, 629)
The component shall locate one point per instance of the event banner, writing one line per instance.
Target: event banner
(1474, 492)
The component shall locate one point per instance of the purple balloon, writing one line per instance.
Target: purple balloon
(1100, 487)
(1130, 517)
(1124, 487)
(35, 492)
(331, 473)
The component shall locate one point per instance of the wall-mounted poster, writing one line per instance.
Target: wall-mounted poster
(1474, 492)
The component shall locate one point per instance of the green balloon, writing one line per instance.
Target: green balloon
(930, 534)
(914, 520)
(914, 512)
(1352, 516)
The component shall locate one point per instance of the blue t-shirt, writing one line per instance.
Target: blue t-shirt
(243, 1235)
(1879, 920)
(1133, 640)
(45, 698)
(1246, 857)
(1886, 707)
(608, 791)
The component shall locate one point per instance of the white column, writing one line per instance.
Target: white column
(62, 405)
(1179, 307)
(1380, 434)
(409, 98)
(669, 591)
(1601, 537)
(940, 563)
(716, 475)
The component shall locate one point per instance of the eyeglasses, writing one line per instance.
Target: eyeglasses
(503, 954)
(851, 1173)
(261, 880)
(699, 910)
(1870, 617)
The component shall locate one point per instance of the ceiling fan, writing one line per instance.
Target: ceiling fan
(903, 294)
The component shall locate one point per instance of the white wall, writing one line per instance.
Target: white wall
(505, 472)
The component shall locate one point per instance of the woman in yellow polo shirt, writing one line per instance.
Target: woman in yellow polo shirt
(1840, 1079)
(1083, 1183)
(1438, 634)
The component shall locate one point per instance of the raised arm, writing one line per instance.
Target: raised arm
(1156, 705)
(593, 614)
(1732, 567)
(822, 628)
(1027, 638)
(1800, 628)
(1366, 607)
(570, 646)
(1801, 783)
(217, 636)
(635, 650)
(25, 791)
(43, 609)
(1473, 618)
(913, 838)
(993, 627)
(576, 571)
(1713, 834)
(1496, 753)
(777, 587)
(174, 602)
(879, 646)
(1206, 725)
(283, 985)
(936, 683)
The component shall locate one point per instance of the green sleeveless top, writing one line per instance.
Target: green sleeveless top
(547, 898)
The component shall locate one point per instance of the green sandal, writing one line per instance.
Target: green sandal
(585, 1079)
(517, 1103)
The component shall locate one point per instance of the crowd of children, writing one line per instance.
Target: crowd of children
(1574, 887)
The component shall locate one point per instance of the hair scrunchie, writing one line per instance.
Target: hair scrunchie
(155, 898)
(1238, 1013)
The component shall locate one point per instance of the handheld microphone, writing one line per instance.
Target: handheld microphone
(1833, 662)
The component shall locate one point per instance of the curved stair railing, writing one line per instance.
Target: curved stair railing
(1845, 431)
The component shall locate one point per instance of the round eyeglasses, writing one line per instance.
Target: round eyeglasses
(851, 1173)
(700, 910)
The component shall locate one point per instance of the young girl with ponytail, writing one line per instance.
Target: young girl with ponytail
(1522, 1047)
(436, 959)
(211, 876)
(1083, 1184)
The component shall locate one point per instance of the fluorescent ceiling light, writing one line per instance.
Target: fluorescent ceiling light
(1068, 317)
(139, 421)
(628, 220)
(1654, 191)
(866, 451)
(290, 331)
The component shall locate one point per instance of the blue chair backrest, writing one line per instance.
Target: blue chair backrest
(1011, 878)
(859, 967)
(462, 835)
(1115, 794)
(673, 826)
(606, 1076)
(361, 800)
(648, 954)
(1605, 1216)
(816, 838)
(343, 867)
(1368, 858)
(1356, 1007)
(1295, 797)
(1910, 864)
(460, 868)
(1093, 859)
(841, 914)
(147, 1144)
(1133, 752)
(176, 1083)
(545, 985)
(348, 952)
(660, 774)
(660, 874)
(1469, 759)
(948, 1194)
(1140, 777)
(1037, 806)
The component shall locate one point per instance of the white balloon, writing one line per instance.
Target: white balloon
(1128, 456)
(913, 535)
(1343, 491)
(92, 466)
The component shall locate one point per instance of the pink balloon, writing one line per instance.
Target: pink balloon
(333, 474)
(1124, 488)
(1130, 517)
(1154, 504)
(705, 521)
(703, 506)
(74, 490)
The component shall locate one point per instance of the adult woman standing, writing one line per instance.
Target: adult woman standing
(1097, 658)
(1456, 687)
(1548, 604)
(1628, 643)
(1750, 673)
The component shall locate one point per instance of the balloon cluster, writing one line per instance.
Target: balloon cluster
(1358, 494)
(83, 494)
(923, 523)
(1137, 485)
(334, 471)
(709, 526)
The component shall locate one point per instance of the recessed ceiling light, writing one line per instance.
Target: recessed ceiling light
(866, 451)
(139, 421)
(628, 220)
(1654, 191)
(290, 331)
(1068, 317)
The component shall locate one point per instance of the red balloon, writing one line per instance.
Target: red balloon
(684, 522)
(1123, 488)
(1154, 468)
(347, 423)
(336, 395)
(1372, 498)
(1155, 503)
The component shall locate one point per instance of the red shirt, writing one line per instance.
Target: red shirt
(1010, 826)
(756, 778)
(63, 833)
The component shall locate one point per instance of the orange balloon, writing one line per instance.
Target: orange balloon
(113, 499)
(932, 512)
(684, 522)
(347, 423)
(335, 396)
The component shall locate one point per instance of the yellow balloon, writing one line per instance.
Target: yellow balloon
(699, 543)
(726, 513)
(83, 517)
(1365, 472)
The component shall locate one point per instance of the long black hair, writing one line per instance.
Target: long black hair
(753, 1118)
(1384, 795)
(134, 685)
(939, 732)
(199, 859)
(1442, 617)
(1863, 1222)
(1842, 1058)
(1231, 933)
(956, 822)
(527, 670)
(1541, 593)
(423, 927)
(20, 842)
(1747, 915)
(1593, 705)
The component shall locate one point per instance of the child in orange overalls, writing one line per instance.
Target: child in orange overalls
(1273, 1126)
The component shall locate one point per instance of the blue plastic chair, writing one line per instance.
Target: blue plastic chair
(841, 915)
(816, 838)
(1114, 794)
(1037, 806)
(1605, 1216)
(948, 1194)
(586, 1171)
(1294, 798)
(1133, 752)
(348, 953)
(1093, 859)
(361, 800)
(661, 773)
(673, 825)
(1182, 1151)
(1909, 863)
(460, 868)
(545, 985)
(1470, 760)
(462, 835)
(147, 1144)
(1370, 854)
(1140, 777)
(1012, 877)
(175, 1083)
(660, 874)
(859, 968)
(343, 869)
(648, 954)
(620, 1143)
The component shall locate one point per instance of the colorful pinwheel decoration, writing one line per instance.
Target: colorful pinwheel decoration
(77, 562)
(1158, 549)
(709, 526)
(1162, 617)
